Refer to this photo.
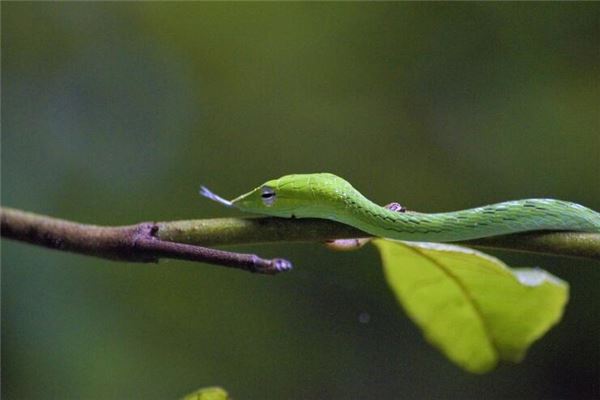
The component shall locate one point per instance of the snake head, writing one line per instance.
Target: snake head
(278, 197)
(302, 196)
(268, 199)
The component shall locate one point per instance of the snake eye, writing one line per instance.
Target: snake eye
(268, 196)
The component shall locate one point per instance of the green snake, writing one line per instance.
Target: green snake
(328, 196)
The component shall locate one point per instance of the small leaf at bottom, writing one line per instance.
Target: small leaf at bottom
(209, 393)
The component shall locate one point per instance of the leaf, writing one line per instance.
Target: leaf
(209, 393)
(470, 305)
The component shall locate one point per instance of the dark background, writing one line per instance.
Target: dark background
(115, 113)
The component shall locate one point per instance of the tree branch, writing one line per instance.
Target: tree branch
(230, 231)
(148, 242)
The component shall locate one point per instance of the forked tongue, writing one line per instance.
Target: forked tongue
(204, 191)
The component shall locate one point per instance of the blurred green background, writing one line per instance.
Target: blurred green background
(115, 113)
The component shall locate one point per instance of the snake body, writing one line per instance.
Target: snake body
(328, 196)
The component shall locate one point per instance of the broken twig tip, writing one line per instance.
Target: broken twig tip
(281, 265)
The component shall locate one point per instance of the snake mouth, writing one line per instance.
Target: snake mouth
(239, 200)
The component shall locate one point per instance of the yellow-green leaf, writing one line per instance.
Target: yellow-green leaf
(470, 305)
(209, 393)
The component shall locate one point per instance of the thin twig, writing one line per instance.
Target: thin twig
(134, 243)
